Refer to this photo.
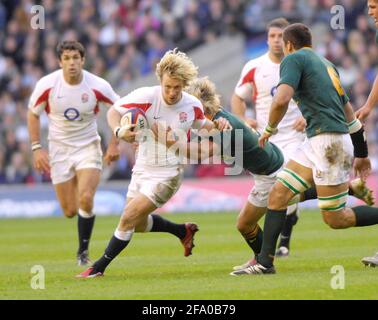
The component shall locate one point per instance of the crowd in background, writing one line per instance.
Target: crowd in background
(125, 38)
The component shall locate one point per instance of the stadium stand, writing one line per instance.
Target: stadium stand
(125, 38)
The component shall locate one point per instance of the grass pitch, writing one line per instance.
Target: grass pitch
(153, 265)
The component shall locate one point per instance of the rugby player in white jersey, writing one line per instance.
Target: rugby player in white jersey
(71, 98)
(157, 173)
(258, 80)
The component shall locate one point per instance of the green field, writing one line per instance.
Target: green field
(153, 266)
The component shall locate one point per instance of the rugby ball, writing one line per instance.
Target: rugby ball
(135, 116)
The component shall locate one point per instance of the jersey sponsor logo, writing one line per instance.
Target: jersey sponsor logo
(183, 117)
(273, 91)
(84, 97)
(72, 114)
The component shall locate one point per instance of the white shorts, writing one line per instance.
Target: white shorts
(290, 146)
(158, 185)
(260, 191)
(329, 155)
(264, 183)
(66, 160)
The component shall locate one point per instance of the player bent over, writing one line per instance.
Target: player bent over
(71, 97)
(157, 174)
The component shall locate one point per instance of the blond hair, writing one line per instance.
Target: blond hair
(178, 66)
(205, 91)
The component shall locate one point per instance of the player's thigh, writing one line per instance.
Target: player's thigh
(249, 216)
(157, 185)
(66, 193)
(87, 181)
(293, 179)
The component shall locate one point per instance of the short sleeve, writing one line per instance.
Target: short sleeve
(39, 98)
(291, 71)
(199, 117)
(245, 85)
(106, 96)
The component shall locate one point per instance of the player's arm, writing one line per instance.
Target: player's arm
(278, 110)
(239, 108)
(40, 155)
(361, 165)
(112, 152)
(200, 149)
(106, 97)
(126, 132)
(371, 102)
(219, 124)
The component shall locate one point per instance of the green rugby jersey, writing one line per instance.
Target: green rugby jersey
(262, 161)
(318, 91)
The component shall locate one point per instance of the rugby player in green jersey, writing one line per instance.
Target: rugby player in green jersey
(242, 141)
(325, 159)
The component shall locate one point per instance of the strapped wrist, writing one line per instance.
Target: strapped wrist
(271, 130)
(36, 146)
(359, 143)
(354, 126)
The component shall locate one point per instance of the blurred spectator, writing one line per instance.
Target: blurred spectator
(125, 38)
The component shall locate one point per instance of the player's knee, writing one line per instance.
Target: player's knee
(69, 212)
(242, 226)
(278, 197)
(86, 200)
(130, 217)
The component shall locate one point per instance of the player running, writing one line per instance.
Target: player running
(326, 157)
(263, 163)
(71, 98)
(259, 79)
(157, 174)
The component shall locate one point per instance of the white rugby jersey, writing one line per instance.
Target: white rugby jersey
(184, 115)
(259, 80)
(71, 109)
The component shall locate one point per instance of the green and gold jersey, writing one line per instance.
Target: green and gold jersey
(318, 91)
(262, 161)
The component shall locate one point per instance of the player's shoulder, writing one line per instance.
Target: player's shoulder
(95, 81)
(256, 62)
(146, 92)
(142, 94)
(50, 79)
(296, 57)
(191, 100)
